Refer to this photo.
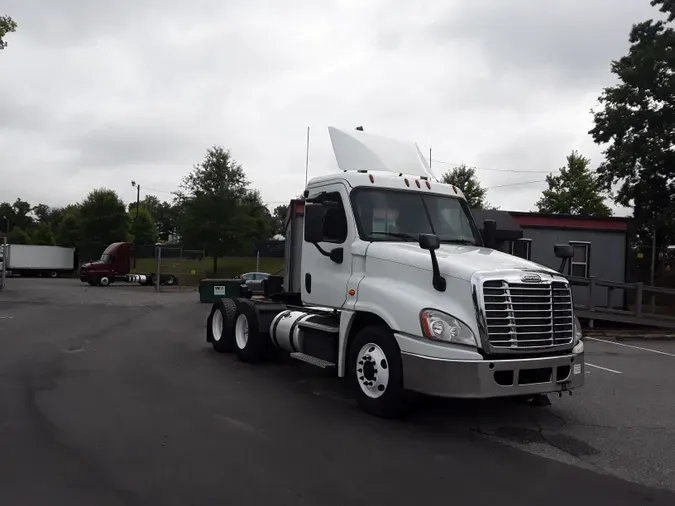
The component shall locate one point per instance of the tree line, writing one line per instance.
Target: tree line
(575, 189)
(215, 209)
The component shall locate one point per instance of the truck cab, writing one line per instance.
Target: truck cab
(397, 291)
(116, 261)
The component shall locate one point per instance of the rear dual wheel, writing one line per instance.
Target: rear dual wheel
(220, 325)
(233, 326)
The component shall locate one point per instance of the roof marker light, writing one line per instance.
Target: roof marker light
(372, 179)
(417, 182)
(454, 188)
(428, 185)
(407, 183)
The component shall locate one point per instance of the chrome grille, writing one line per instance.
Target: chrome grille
(528, 315)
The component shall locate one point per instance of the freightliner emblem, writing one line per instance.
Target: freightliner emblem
(530, 278)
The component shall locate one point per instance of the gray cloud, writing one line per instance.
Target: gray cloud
(569, 43)
(96, 94)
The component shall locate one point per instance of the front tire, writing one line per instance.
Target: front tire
(376, 372)
(220, 325)
(104, 281)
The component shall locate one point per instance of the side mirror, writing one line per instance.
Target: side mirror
(429, 242)
(489, 233)
(314, 217)
(563, 251)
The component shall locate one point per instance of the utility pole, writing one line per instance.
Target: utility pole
(6, 224)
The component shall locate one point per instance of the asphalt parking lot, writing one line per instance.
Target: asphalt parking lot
(111, 396)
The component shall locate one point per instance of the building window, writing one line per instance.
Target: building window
(522, 248)
(580, 263)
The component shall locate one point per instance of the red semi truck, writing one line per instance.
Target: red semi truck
(115, 265)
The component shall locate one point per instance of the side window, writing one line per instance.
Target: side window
(522, 248)
(335, 222)
(581, 260)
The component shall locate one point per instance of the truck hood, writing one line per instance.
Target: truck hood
(458, 261)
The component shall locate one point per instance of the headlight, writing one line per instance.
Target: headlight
(443, 327)
(578, 334)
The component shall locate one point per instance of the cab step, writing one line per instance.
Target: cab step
(318, 362)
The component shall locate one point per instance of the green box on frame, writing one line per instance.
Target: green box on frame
(210, 290)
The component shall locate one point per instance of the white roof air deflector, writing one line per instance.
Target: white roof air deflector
(356, 150)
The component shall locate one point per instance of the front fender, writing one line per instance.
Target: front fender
(398, 296)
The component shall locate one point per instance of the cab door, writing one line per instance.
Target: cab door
(324, 282)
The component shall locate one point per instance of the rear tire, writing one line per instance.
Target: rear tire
(375, 372)
(250, 344)
(220, 325)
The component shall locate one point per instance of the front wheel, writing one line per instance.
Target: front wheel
(376, 372)
(104, 281)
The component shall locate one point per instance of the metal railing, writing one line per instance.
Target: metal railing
(638, 314)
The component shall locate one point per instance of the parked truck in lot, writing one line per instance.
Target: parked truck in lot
(34, 260)
(389, 284)
(115, 265)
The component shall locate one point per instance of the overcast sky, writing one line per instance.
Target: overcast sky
(97, 93)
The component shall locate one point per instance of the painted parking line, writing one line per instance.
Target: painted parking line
(604, 368)
(633, 346)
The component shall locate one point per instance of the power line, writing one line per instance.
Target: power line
(515, 184)
(493, 170)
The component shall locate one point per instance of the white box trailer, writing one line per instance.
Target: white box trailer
(34, 260)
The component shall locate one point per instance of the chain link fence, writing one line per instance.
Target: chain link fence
(181, 268)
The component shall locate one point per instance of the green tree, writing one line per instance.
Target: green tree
(575, 190)
(7, 25)
(18, 236)
(636, 121)
(68, 229)
(142, 230)
(465, 179)
(42, 235)
(163, 214)
(102, 221)
(279, 215)
(258, 224)
(21, 215)
(212, 205)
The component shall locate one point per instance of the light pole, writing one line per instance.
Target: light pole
(138, 196)
(6, 224)
(138, 205)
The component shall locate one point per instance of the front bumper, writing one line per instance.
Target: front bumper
(492, 378)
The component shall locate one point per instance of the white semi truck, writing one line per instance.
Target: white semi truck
(389, 283)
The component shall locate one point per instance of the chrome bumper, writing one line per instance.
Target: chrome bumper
(492, 378)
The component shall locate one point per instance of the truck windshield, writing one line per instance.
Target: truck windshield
(106, 257)
(394, 215)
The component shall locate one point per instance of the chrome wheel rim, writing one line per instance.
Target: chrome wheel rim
(241, 331)
(372, 370)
